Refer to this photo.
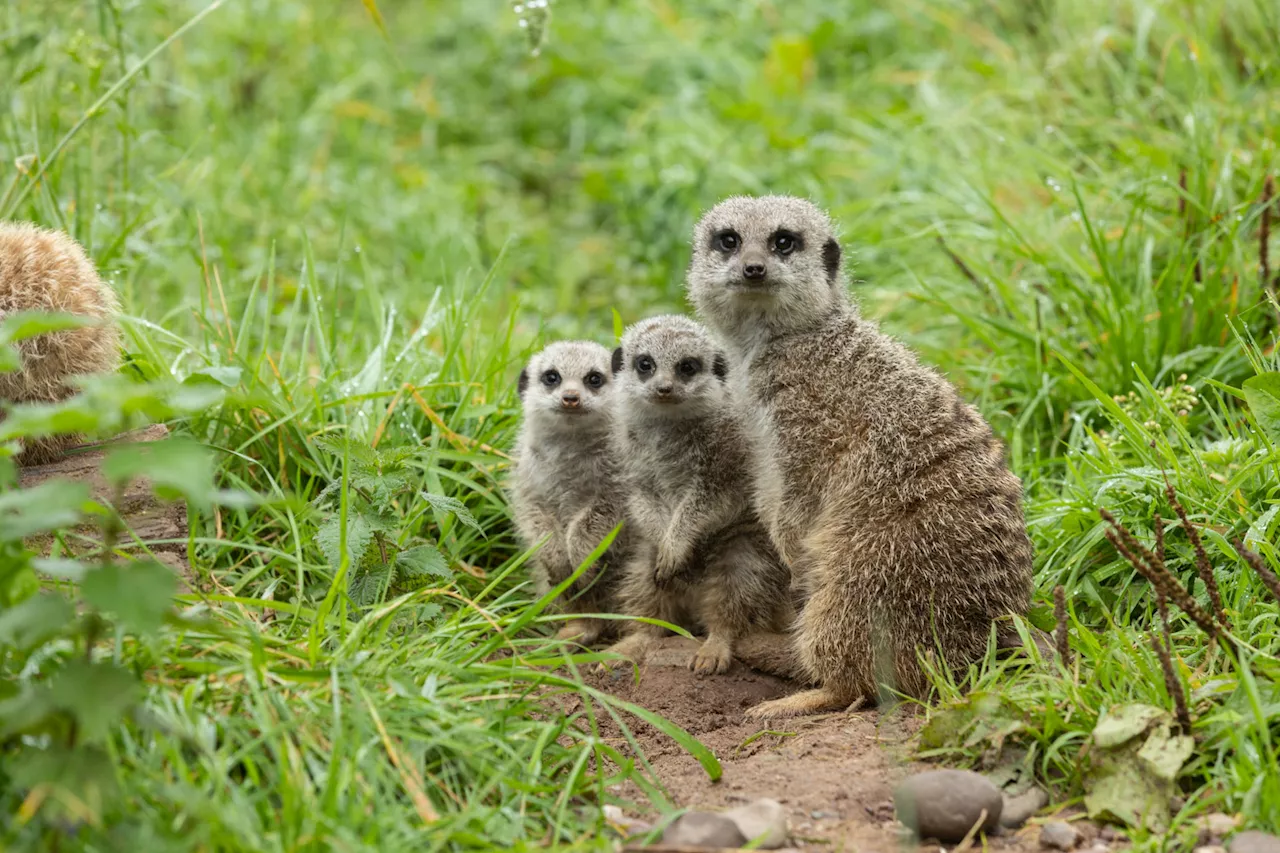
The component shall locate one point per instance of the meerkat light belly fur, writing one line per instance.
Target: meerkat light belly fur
(887, 495)
(567, 483)
(703, 560)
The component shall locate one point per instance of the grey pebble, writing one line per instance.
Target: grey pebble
(765, 819)
(1059, 835)
(946, 804)
(1211, 849)
(703, 829)
(1018, 810)
(1254, 841)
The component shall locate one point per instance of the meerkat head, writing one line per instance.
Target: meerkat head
(568, 385)
(771, 263)
(669, 367)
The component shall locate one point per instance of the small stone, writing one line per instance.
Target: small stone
(821, 815)
(1059, 835)
(1254, 841)
(1098, 848)
(703, 829)
(1214, 848)
(627, 826)
(1215, 827)
(764, 819)
(1017, 810)
(946, 804)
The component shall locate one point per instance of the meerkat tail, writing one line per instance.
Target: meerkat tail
(773, 653)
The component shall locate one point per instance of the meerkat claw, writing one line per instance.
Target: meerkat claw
(713, 658)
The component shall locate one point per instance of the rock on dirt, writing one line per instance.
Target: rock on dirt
(703, 829)
(1059, 835)
(947, 804)
(1254, 841)
(1018, 810)
(763, 819)
(1215, 826)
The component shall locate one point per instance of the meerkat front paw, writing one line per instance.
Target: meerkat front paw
(634, 647)
(666, 567)
(586, 632)
(713, 657)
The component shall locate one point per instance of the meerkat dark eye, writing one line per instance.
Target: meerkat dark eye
(688, 367)
(594, 380)
(784, 242)
(645, 365)
(727, 241)
(550, 378)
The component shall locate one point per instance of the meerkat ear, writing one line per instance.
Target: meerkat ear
(719, 366)
(522, 384)
(831, 257)
(616, 361)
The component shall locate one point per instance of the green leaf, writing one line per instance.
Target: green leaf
(329, 538)
(35, 621)
(421, 563)
(1263, 393)
(10, 359)
(96, 694)
(77, 778)
(1134, 767)
(27, 324)
(367, 588)
(618, 327)
(139, 594)
(175, 467)
(49, 506)
(446, 504)
(228, 377)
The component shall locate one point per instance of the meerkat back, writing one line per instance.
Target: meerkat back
(48, 271)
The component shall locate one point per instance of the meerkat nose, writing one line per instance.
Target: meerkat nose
(570, 400)
(664, 389)
(755, 272)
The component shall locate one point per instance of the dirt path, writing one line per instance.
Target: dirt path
(834, 773)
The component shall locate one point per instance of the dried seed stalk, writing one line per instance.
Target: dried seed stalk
(1255, 562)
(1171, 682)
(1060, 616)
(1155, 572)
(1203, 567)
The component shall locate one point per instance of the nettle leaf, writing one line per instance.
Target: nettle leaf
(97, 695)
(76, 779)
(139, 594)
(329, 538)
(34, 621)
(367, 588)
(49, 506)
(1263, 393)
(446, 504)
(419, 565)
(228, 377)
(175, 467)
(21, 325)
(362, 457)
(1134, 766)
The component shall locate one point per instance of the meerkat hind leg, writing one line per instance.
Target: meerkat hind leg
(586, 632)
(635, 646)
(805, 702)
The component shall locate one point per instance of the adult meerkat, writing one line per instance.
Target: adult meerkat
(567, 481)
(42, 270)
(886, 494)
(702, 560)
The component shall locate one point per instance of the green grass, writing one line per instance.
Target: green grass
(1056, 203)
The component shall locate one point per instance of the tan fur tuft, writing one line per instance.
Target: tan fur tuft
(43, 270)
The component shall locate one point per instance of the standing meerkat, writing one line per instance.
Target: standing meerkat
(567, 479)
(702, 560)
(886, 494)
(42, 270)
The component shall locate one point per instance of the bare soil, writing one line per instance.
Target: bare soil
(835, 773)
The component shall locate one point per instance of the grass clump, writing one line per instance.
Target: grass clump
(345, 231)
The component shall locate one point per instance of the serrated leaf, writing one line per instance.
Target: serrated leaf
(96, 694)
(422, 562)
(446, 504)
(49, 506)
(228, 377)
(138, 594)
(329, 538)
(175, 467)
(76, 778)
(1263, 393)
(367, 588)
(34, 621)
(27, 324)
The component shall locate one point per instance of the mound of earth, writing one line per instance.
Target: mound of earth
(835, 773)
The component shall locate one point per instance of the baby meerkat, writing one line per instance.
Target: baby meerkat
(702, 560)
(886, 494)
(42, 270)
(567, 480)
